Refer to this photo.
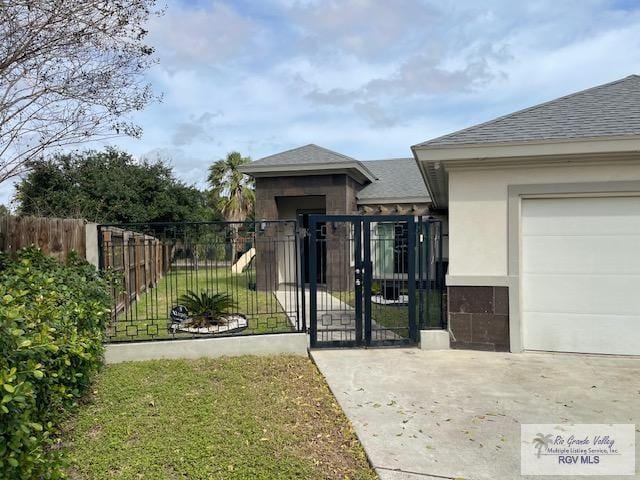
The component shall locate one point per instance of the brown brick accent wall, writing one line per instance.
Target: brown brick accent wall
(479, 317)
(339, 191)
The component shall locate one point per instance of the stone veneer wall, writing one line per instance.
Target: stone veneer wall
(479, 317)
(339, 191)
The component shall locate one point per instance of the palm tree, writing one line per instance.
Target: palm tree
(233, 192)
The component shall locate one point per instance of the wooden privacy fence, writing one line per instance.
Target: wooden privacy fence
(141, 261)
(55, 236)
(146, 257)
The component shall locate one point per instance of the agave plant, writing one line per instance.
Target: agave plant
(207, 309)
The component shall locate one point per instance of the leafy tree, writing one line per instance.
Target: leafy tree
(232, 192)
(108, 187)
(70, 71)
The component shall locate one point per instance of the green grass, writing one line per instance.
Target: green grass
(230, 418)
(397, 317)
(149, 315)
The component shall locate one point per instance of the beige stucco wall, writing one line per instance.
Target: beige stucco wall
(478, 208)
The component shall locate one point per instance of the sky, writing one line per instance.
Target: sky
(367, 78)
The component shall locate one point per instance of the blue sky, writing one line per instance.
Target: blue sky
(368, 78)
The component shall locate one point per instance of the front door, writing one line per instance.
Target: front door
(369, 270)
(320, 253)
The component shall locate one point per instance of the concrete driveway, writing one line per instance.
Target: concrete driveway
(457, 414)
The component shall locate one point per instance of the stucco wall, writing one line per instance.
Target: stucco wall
(478, 209)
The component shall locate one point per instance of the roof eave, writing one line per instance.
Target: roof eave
(439, 199)
(355, 169)
(434, 161)
(392, 200)
(443, 153)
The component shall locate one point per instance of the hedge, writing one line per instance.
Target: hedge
(52, 319)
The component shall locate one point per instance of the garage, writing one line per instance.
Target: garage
(543, 214)
(580, 274)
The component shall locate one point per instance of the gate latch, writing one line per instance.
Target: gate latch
(358, 279)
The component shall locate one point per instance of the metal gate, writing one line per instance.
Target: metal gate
(353, 280)
(371, 274)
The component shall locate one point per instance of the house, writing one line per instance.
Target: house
(543, 214)
(312, 179)
(544, 224)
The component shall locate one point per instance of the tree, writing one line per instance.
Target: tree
(70, 71)
(108, 187)
(232, 192)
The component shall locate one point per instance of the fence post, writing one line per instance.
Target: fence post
(91, 244)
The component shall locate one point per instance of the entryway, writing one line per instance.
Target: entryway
(380, 279)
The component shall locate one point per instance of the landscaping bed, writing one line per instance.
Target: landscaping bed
(230, 418)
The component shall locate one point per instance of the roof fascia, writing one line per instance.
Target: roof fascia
(527, 149)
(383, 200)
(355, 169)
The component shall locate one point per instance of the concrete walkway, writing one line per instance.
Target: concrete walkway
(456, 414)
(336, 319)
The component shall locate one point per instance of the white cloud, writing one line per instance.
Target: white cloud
(196, 128)
(376, 115)
(191, 36)
(365, 77)
(371, 29)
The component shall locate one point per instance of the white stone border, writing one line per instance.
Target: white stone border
(269, 344)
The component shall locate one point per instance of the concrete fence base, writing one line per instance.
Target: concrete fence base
(273, 344)
(434, 340)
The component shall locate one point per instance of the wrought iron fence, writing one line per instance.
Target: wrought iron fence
(432, 268)
(186, 280)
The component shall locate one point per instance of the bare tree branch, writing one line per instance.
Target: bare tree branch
(71, 71)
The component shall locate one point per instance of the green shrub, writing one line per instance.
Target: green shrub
(206, 309)
(52, 319)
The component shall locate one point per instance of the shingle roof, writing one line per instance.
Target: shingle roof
(397, 178)
(608, 110)
(308, 154)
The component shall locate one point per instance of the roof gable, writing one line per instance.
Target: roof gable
(308, 160)
(305, 155)
(609, 110)
(391, 180)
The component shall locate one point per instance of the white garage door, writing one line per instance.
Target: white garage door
(581, 275)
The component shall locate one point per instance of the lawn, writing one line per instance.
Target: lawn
(149, 315)
(396, 318)
(230, 418)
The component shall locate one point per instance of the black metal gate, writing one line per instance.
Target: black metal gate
(372, 275)
(354, 280)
